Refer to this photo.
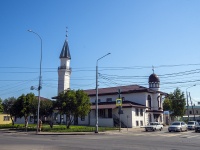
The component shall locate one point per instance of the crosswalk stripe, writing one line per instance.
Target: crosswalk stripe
(166, 135)
(193, 136)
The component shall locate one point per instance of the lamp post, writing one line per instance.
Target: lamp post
(96, 131)
(39, 86)
(187, 100)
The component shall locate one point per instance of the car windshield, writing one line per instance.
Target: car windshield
(176, 123)
(190, 123)
(153, 123)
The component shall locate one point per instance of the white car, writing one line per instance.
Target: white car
(178, 126)
(191, 125)
(153, 126)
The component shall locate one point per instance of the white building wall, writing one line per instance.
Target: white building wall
(65, 62)
(138, 118)
(63, 80)
(139, 98)
(84, 122)
(126, 117)
(102, 122)
(103, 98)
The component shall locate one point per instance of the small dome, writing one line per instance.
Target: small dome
(154, 78)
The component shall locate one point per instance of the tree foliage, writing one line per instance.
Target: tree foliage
(23, 106)
(46, 108)
(73, 104)
(1, 106)
(8, 107)
(167, 104)
(176, 103)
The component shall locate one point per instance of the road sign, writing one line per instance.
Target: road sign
(118, 102)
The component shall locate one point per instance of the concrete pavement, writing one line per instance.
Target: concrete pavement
(122, 131)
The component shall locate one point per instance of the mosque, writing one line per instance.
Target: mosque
(139, 106)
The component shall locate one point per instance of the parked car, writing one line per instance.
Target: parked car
(197, 128)
(191, 125)
(153, 126)
(178, 126)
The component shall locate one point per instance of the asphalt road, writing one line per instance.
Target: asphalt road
(159, 140)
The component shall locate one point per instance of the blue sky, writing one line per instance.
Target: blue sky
(139, 34)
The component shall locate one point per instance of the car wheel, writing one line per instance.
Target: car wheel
(169, 130)
(181, 130)
(160, 129)
(146, 130)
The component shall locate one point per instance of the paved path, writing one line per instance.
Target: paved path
(122, 131)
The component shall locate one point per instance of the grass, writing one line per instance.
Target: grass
(56, 128)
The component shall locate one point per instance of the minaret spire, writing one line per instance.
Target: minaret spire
(65, 53)
(66, 33)
(153, 69)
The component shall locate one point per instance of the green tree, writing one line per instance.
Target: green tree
(177, 103)
(73, 104)
(7, 104)
(23, 106)
(167, 104)
(46, 110)
(1, 106)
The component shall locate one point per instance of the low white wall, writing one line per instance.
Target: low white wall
(104, 122)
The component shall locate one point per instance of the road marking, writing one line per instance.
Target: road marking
(193, 136)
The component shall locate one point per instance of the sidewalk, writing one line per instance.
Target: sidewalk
(122, 131)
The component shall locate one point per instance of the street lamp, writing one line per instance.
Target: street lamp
(96, 131)
(39, 86)
(187, 99)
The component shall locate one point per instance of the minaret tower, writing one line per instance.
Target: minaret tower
(64, 70)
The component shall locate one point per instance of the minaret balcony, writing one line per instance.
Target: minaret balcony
(65, 67)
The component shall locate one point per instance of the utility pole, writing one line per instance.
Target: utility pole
(119, 110)
(187, 101)
(192, 106)
(187, 105)
(97, 107)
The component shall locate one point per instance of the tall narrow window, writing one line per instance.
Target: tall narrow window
(149, 102)
(137, 123)
(141, 112)
(136, 111)
(141, 123)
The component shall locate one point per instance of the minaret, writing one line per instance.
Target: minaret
(64, 70)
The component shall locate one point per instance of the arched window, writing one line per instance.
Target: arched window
(158, 99)
(150, 119)
(190, 112)
(149, 101)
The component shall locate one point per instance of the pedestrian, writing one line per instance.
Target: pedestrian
(40, 125)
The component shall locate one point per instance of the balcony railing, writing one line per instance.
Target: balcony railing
(65, 67)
